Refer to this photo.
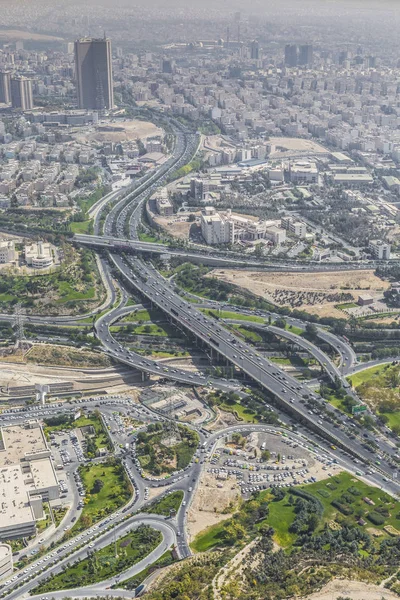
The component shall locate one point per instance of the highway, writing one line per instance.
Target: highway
(207, 255)
(123, 219)
(288, 390)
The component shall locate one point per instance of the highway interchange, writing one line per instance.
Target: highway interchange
(123, 215)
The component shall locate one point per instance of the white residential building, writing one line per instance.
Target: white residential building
(215, 228)
(379, 249)
(7, 252)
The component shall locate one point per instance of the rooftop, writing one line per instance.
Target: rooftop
(15, 508)
(19, 441)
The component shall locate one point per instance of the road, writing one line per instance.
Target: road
(211, 256)
(73, 553)
(270, 377)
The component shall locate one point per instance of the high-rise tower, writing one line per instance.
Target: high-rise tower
(21, 93)
(306, 55)
(94, 73)
(291, 55)
(5, 87)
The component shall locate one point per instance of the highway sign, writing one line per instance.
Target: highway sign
(358, 409)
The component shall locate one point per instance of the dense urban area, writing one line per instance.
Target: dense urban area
(200, 300)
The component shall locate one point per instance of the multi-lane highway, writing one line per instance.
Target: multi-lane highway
(290, 392)
(121, 221)
(212, 257)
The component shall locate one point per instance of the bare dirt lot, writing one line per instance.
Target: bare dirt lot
(177, 226)
(211, 498)
(355, 590)
(318, 293)
(121, 131)
(296, 145)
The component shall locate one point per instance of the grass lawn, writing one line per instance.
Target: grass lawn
(393, 418)
(68, 293)
(245, 414)
(59, 514)
(43, 524)
(165, 354)
(294, 329)
(7, 298)
(115, 492)
(249, 335)
(137, 315)
(103, 564)
(366, 374)
(152, 329)
(166, 504)
(280, 360)
(143, 315)
(81, 226)
(145, 237)
(332, 489)
(343, 489)
(281, 515)
(346, 305)
(209, 538)
(130, 584)
(226, 314)
(101, 438)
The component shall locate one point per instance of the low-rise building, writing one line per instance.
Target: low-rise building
(27, 477)
(39, 255)
(379, 249)
(7, 252)
(163, 204)
(303, 172)
(297, 228)
(365, 300)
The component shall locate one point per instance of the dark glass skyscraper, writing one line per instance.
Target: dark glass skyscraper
(291, 55)
(21, 93)
(306, 55)
(5, 87)
(94, 73)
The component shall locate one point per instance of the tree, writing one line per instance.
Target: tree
(281, 322)
(97, 486)
(265, 455)
(233, 532)
(311, 330)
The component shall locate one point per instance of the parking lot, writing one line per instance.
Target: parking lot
(290, 462)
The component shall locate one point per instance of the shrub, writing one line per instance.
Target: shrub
(375, 518)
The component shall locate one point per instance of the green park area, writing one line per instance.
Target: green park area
(164, 506)
(107, 489)
(338, 504)
(104, 564)
(142, 315)
(379, 387)
(225, 314)
(248, 334)
(162, 450)
(73, 287)
(294, 329)
(133, 582)
(366, 374)
(82, 226)
(250, 409)
(91, 426)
